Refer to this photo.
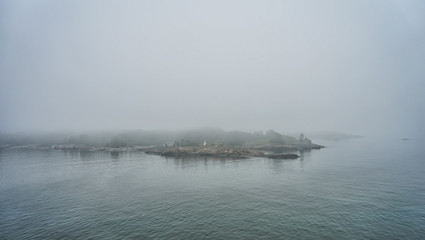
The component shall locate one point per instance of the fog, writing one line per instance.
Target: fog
(351, 66)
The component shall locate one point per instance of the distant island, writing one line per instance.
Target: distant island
(205, 142)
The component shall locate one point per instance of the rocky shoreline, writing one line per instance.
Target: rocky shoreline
(206, 152)
(218, 152)
(267, 151)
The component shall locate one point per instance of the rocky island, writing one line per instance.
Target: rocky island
(272, 146)
(219, 152)
(210, 142)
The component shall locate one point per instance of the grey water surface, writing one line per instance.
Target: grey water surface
(362, 188)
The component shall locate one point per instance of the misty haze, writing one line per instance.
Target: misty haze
(212, 119)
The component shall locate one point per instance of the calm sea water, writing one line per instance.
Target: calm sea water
(355, 189)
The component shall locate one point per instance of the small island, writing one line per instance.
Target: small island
(218, 152)
(206, 142)
(270, 145)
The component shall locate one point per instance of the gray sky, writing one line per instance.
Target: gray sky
(353, 66)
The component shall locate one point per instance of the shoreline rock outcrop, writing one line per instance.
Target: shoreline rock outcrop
(217, 152)
(206, 152)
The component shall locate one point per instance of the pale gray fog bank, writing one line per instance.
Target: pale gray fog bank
(350, 66)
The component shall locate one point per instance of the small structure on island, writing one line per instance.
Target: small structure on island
(301, 138)
(205, 144)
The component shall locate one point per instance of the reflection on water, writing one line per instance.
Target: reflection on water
(87, 155)
(305, 154)
(275, 165)
(115, 155)
(194, 162)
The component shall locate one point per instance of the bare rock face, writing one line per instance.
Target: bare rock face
(201, 152)
(283, 156)
(217, 152)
